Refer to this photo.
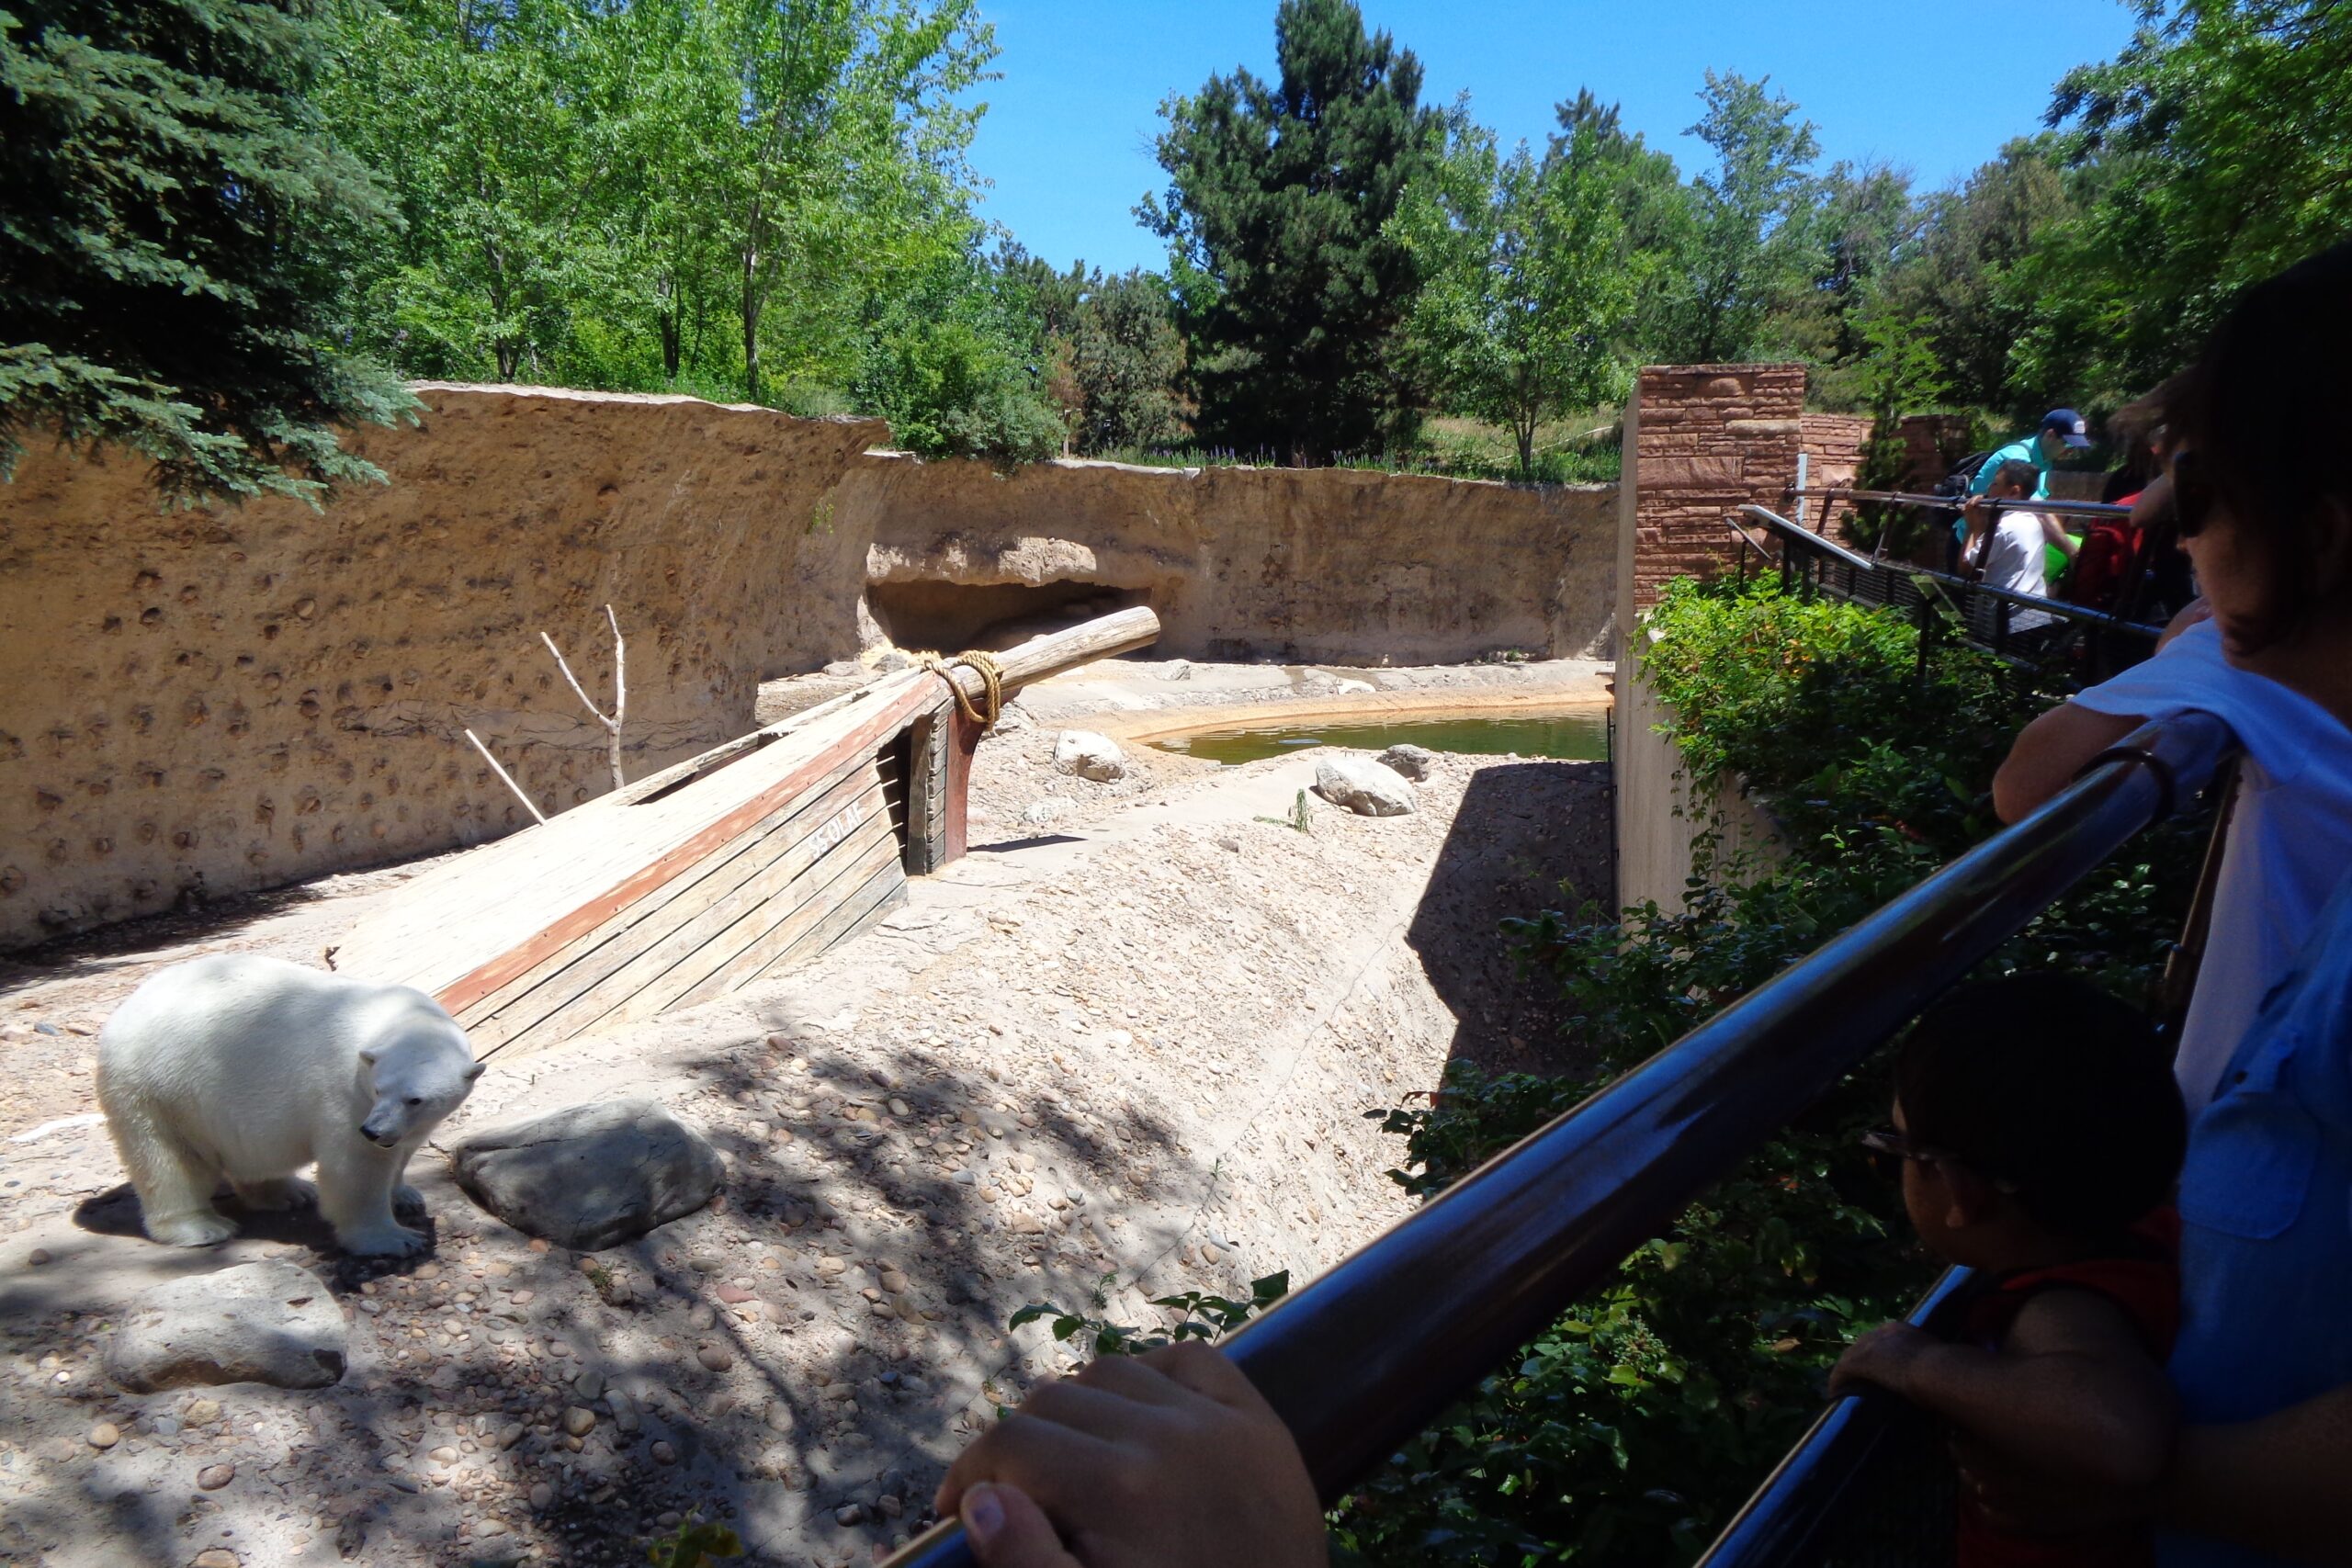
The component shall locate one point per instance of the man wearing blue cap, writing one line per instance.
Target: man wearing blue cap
(2062, 432)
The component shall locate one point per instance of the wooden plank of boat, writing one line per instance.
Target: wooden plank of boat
(761, 860)
(442, 924)
(612, 969)
(514, 912)
(743, 936)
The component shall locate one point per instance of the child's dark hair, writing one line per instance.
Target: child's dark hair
(2016, 474)
(2046, 1082)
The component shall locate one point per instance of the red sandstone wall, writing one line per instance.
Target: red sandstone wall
(1833, 452)
(1700, 440)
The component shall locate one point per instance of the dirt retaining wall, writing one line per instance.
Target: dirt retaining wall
(200, 702)
(1324, 564)
(212, 702)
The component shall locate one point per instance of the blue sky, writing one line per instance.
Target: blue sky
(1067, 138)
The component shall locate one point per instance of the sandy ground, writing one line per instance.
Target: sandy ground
(1127, 1050)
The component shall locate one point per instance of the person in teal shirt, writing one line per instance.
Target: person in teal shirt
(2062, 430)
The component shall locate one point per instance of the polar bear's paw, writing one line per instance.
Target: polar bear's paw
(192, 1230)
(408, 1202)
(383, 1241)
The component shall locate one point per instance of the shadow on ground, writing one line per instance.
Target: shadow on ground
(1529, 836)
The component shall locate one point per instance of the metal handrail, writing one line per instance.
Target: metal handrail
(1799, 1500)
(1366, 1355)
(1795, 536)
(1954, 502)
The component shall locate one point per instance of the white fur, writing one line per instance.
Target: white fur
(251, 1069)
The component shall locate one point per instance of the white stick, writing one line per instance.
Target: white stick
(536, 813)
(620, 690)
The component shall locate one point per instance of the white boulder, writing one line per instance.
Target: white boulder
(1363, 786)
(274, 1322)
(1413, 761)
(1089, 756)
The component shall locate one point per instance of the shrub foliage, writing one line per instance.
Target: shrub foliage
(1632, 1428)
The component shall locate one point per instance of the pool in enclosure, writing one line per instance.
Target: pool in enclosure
(1581, 735)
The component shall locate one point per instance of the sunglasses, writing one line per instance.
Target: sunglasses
(2192, 494)
(1891, 1147)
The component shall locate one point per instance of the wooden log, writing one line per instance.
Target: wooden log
(1103, 637)
(940, 774)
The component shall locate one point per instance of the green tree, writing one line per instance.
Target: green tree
(848, 156)
(711, 192)
(1658, 214)
(1892, 371)
(1289, 290)
(954, 359)
(173, 234)
(1113, 340)
(1862, 224)
(490, 127)
(1129, 359)
(1956, 277)
(2220, 138)
(1751, 248)
(1526, 288)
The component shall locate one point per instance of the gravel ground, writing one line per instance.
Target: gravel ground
(1127, 1049)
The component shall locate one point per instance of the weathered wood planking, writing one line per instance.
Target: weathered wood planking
(729, 866)
(493, 917)
(595, 980)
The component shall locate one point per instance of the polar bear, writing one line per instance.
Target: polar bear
(252, 1068)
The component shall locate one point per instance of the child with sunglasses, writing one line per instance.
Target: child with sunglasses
(2039, 1133)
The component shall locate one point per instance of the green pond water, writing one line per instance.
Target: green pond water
(1578, 736)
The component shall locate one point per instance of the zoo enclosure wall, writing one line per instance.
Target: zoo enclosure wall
(215, 702)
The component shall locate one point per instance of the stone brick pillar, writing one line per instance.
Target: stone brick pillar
(1933, 444)
(1834, 445)
(1700, 440)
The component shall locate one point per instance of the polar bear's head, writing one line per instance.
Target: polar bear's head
(412, 1082)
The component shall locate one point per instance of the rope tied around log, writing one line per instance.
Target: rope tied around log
(983, 712)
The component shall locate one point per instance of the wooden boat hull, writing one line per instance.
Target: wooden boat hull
(725, 869)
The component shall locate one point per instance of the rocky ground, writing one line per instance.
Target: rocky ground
(1124, 1048)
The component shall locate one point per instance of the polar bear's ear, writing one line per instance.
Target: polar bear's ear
(367, 1059)
(475, 1071)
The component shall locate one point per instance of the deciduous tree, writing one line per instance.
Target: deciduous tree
(1750, 248)
(1526, 285)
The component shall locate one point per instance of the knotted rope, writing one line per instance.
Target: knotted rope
(983, 712)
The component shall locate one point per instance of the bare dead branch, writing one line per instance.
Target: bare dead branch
(536, 814)
(620, 690)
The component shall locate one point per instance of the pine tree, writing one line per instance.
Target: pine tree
(174, 235)
(1290, 294)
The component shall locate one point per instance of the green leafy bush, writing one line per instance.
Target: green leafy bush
(1199, 1316)
(1632, 1428)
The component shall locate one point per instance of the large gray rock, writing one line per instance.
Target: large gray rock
(1409, 760)
(590, 1177)
(1363, 786)
(1089, 756)
(271, 1322)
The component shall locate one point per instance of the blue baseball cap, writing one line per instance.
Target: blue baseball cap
(2068, 425)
